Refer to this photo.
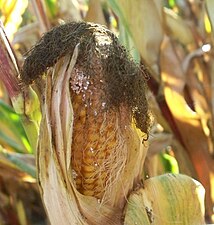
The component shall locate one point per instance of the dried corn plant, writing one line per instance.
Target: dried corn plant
(95, 117)
(93, 134)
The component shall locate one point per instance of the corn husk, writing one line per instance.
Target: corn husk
(64, 204)
(167, 200)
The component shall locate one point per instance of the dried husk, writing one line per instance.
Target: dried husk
(167, 199)
(64, 204)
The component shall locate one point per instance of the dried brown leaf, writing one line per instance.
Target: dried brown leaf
(187, 121)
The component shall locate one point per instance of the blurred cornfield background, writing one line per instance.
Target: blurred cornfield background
(173, 39)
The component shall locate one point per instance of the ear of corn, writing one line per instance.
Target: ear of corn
(97, 189)
(100, 145)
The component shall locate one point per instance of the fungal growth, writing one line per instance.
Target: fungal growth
(107, 90)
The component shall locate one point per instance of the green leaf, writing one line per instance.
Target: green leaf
(127, 41)
(52, 7)
(171, 3)
(11, 130)
(19, 161)
(170, 163)
(138, 18)
(116, 8)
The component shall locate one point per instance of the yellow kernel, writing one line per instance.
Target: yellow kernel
(88, 168)
(88, 175)
(75, 106)
(100, 154)
(78, 139)
(82, 119)
(92, 137)
(88, 186)
(89, 181)
(87, 192)
(100, 161)
(78, 181)
(102, 139)
(109, 151)
(82, 113)
(78, 125)
(89, 151)
(77, 98)
(102, 176)
(88, 160)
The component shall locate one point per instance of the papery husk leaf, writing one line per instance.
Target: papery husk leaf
(155, 108)
(61, 205)
(64, 204)
(167, 200)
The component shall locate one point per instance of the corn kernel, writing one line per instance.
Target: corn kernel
(88, 168)
(88, 192)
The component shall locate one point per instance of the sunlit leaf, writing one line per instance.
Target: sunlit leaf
(170, 163)
(210, 10)
(22, 165)
(207, 24)
(171, 3)
(127, 41)
(11, 14)
(19, 161)
(21, 212)
(140, 27)
(187, 121)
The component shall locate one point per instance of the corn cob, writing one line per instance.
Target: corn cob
(96, 137)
